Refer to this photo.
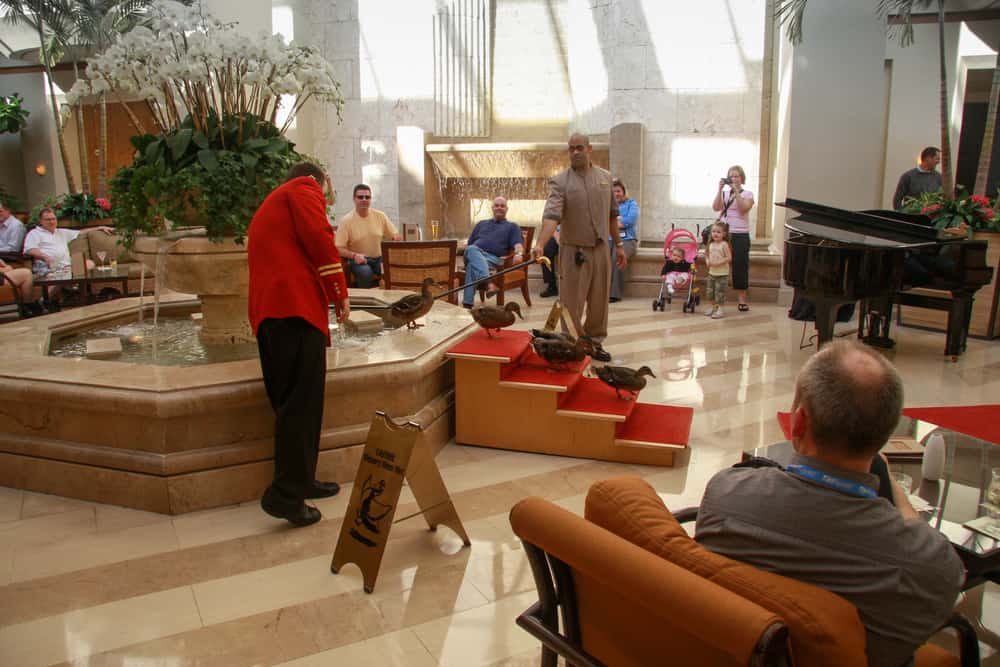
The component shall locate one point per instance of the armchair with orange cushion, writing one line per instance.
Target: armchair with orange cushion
(635, 589)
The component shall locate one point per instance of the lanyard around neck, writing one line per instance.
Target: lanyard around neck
(831, 481)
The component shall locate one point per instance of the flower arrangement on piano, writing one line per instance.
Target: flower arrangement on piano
(222, 102)
(975, 212)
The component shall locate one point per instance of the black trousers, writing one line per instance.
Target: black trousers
(740, 244)
(293, 361)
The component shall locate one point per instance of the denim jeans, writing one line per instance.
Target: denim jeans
(477, 266)
(365, 273)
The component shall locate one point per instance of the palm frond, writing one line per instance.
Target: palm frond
(904, 9)
(789, 13)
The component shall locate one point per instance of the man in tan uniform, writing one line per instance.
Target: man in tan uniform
(360, 235)
(580, 200)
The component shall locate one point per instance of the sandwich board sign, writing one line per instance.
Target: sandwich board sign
(393, 453)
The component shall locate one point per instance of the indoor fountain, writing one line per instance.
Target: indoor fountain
(178, 438)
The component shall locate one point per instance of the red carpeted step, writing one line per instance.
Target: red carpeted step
(592, 399)
(505, 346)
(534, 372)
(652, 425)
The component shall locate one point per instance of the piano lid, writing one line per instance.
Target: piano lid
(883, 229)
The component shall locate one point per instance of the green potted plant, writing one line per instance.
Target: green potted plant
(978, 217)
(83, 208)
(217, 97)
(975, 212)
(13, 117)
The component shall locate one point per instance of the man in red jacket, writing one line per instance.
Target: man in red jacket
(295, 272)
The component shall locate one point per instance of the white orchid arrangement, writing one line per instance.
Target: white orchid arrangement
(188, 63)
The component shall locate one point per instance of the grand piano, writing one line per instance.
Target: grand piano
(833, 257)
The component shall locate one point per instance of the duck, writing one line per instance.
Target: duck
(552, 335)
(414, 306)
(622, 378)
(559, 351)
(493, 317)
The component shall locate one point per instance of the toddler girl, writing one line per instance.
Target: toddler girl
(676, 271)
(718, 258)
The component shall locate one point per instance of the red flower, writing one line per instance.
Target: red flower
(931, 210)
(104, 204)
(981, 200)
(987, 213)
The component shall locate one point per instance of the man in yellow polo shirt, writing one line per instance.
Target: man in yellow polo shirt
(360, 234)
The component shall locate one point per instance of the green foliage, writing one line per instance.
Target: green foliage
(13, 117)
(83, 207)
(187, 177)
(978, 212)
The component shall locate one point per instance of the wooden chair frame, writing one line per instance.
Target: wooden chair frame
(557, 595)
(389, 248)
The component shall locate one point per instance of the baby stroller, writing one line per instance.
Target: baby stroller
(688, 242)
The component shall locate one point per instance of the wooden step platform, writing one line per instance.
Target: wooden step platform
(509, 398)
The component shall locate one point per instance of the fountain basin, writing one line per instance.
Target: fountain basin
(177, 439)
(217, 272)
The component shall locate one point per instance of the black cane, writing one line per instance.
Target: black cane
(541, 260)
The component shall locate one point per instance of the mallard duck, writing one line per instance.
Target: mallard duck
(489, 316)
(551, 335)
(414, 306)
(559, 351)
(620, 377)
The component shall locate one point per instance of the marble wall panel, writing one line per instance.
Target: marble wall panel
(710, 112)
(657, 153)
(627, 68)
(341, 39)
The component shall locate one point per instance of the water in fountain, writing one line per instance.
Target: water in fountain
(174, 341)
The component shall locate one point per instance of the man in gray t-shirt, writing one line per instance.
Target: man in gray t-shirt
(821, 520)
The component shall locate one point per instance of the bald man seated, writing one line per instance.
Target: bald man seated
(489, 241)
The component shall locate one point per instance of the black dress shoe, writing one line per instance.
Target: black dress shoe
(303, 515)
(549, 292)
(614, 299)
(600, 354)
(323, 490)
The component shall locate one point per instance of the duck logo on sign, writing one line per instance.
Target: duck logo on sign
(370, 512)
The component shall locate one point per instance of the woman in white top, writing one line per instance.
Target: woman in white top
(733, 202)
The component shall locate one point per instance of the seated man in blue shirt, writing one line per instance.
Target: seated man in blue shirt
(490, 240)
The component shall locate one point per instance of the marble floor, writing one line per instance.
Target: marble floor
(89, 584)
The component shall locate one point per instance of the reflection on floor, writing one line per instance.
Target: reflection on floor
(100, 585)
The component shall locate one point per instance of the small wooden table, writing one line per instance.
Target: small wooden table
(86, 281)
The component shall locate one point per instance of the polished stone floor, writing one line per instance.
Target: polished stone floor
(89, 584)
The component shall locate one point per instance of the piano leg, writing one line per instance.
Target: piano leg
(958, 323)
(826, 316)
(876, 319)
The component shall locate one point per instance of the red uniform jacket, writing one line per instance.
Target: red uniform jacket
(295, 268)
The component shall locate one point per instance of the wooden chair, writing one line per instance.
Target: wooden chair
(405, 264)
(510, 280)
(634, 589)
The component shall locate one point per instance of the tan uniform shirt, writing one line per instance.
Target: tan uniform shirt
(364, 235)
(583, 204)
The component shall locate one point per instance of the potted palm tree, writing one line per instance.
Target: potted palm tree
(185, 202)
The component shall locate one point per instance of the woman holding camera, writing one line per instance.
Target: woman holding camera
(733, 203)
